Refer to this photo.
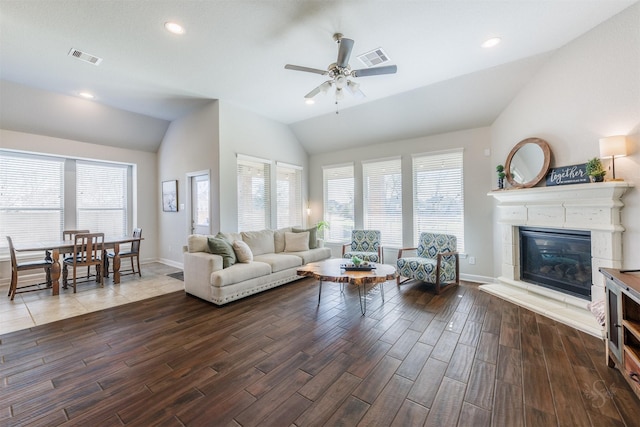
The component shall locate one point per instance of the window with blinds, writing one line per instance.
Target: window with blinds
(438, 194)
(382, 191)
(338, 193)
(289, 195)
(101, 197)
(254, 195)
(31, 197)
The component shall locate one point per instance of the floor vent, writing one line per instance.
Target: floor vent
(86, 57)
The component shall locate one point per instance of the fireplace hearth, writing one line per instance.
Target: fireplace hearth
(558, 259)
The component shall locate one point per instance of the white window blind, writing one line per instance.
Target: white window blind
(254, 195)
(101, 197)
(382, 191)
(338, 189)
(289, 195)
(438, 194)
(31, 197)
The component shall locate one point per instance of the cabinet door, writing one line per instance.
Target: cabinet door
(614, 320)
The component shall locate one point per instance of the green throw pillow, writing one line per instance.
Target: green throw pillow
(313, 239)
(224, 249)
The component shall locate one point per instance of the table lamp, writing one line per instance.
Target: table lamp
(613, 146)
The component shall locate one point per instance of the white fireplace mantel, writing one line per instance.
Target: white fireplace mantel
(593, 207)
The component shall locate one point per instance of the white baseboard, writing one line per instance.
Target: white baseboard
(170, 263)
(476, 279)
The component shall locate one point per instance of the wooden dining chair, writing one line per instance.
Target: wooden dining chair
(134, 252)
(88, 249)
(70, 235)
(28, 265)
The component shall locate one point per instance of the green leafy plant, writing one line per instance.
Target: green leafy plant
(500, 170)
(594, 169)
(321, 226)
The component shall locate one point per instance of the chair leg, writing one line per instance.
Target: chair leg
(138, 262)
(14, 285)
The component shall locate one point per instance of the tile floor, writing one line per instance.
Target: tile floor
(36, 308)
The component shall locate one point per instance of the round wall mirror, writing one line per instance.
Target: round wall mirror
(528, 162)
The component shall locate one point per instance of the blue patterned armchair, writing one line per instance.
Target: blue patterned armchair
(365, 244)
(437, 261)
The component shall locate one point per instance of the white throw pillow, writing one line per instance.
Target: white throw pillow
(296, 242)
(242, 250)
(197, 243)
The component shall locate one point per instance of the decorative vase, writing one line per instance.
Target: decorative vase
(597, 178)
(500, 183)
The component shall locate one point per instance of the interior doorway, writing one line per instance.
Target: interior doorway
(199, 198)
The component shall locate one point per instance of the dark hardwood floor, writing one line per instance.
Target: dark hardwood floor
(462, 358)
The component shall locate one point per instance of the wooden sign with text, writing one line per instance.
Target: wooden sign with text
(573, 174)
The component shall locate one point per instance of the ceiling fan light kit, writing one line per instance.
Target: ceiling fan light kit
(340, 72)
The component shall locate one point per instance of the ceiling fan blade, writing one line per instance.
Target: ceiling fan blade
(344, 52)
(306, 69)
(313, 93)
(324, 87)
(389, 69)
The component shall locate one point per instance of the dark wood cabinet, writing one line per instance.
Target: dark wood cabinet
(623, 324)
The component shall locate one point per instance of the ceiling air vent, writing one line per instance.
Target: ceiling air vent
(374, 57)
(86, 57)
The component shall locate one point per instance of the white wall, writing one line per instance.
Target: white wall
(478, 180)
(589, 89)
(245, 132)
(190, 145)
(146, 197)
(208, 139)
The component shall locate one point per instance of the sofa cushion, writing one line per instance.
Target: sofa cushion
(243, 252)
(239, 272)
(260, 242)
(313, 235)
(279, 261)
(296, 242)
(278, 239)
(224, 249)
(313, 255)
(197, 243)
(229, 237)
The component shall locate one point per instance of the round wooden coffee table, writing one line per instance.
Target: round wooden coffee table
(331, 270)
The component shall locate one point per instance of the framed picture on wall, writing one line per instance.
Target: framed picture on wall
(170, 196)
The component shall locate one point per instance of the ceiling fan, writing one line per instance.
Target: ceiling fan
(339, 72)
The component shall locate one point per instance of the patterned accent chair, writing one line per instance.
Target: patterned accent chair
(365, 244)
(437, 261)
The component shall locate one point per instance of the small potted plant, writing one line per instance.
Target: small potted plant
(595, 170)
(501, 175)
(321, 226)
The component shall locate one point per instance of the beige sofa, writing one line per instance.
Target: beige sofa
(276, 257)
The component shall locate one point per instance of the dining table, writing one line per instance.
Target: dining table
(53, 249)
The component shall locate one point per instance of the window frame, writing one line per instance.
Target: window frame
(247, 205)
(68, 198)
(455, 164)
(390, 226)
(336, 233)
(293, 174)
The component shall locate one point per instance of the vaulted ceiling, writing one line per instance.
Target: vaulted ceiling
(236, 51)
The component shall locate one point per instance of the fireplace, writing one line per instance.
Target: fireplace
(592, 209)
(558, 259)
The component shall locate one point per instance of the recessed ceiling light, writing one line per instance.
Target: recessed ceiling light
(493, 41)
(174, 27)
(309, 101)
(86, 95)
